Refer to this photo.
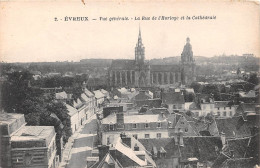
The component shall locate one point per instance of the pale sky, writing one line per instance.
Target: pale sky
(28, 32)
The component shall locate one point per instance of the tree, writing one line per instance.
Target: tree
(253, 79)
(60, 110)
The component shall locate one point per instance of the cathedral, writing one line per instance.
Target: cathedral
(139, 73)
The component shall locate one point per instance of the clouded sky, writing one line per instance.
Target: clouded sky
(28, 32)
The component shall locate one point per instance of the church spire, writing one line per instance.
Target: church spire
(139, 50)
(139, 32)
(139, 43)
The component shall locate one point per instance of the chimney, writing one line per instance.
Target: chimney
(111, 165)
(176, 141)
(181, 138)
(103, 150)
(162, 114)
(120, 120)
(223, 139)
(136, 148)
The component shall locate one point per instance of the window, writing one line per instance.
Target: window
(230, 107)
(230, 113)
(135, 136)
(224, 113)
(146, 136)
(134, 125)
(218, 113)
(111, 127)
(218, 108)
(146, 125)
(224, 108)
(159, 135)
(186, 129)
(108, 141)
(182, 122)
(159, 125)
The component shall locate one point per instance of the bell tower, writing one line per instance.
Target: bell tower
(187, 64)
(139, 50)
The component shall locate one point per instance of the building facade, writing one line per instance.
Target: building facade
(138, 126)
(26, 146)
(139, 72)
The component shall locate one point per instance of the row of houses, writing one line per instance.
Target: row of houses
(83, 107)
(159, 123)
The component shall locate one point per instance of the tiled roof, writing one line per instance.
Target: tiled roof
(173, 98)
(233, 127)
(165, 68)
(123, 64)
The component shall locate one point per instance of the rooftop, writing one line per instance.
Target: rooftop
(33, 134)
(111, 119)
(98, 94)
(8, 118)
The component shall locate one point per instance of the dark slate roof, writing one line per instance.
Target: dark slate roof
(174, 118)
(247, 107)
(206, 127)
(123, 64)
(142, 96)
(173, 98)
(254, 148)
(168, 144)
(238, 146)
(203, 148)
(165, 68)
(108, 159)
(220, 160)
(152, 103)
(239, 163)
(234, 127)
(221, 104)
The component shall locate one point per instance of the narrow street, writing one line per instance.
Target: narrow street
(83, 145)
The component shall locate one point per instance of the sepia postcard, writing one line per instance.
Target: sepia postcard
(129, 84)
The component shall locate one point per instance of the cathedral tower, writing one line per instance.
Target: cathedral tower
(139, 51)
(187, 64)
